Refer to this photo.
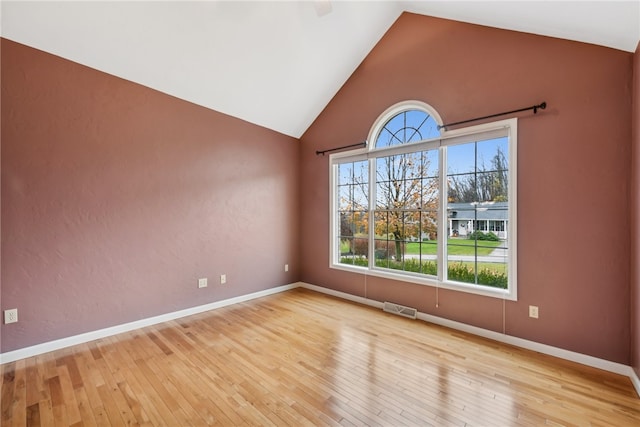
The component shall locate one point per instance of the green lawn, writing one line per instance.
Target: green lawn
(456, 247)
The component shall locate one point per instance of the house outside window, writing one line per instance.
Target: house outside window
(428, 206)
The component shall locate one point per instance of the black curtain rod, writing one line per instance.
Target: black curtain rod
(359, 144)
(534, 108)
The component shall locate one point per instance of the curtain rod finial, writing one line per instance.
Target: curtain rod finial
(541, 106)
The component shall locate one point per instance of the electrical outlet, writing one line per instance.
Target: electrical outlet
(286, 267)
(202, 283)
(11, 316)
(223, 279)
(533, 311)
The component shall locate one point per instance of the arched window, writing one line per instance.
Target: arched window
(427, 206)
(406, 122)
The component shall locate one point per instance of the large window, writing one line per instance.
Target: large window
(430, 207)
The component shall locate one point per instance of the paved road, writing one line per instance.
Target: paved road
(498, 255)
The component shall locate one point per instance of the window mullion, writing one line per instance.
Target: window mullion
(443, 220)
(372, 211)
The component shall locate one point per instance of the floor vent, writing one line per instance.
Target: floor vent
(400, 310)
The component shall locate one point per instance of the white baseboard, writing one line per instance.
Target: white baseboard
(595, 362)
(635, 380)
(573, 356)
(342, 295)
(35, 350)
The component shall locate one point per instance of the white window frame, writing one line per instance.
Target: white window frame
(464, 135)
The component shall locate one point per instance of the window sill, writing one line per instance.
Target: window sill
(432, 282)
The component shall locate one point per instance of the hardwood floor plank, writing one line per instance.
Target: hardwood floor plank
(159, 370)
(60, 416)
(19, 401)
(35, 386)
(69, 396)
(166, 409)
(212, 389)
(91, 379)
(33, 415)
(140, 395)
(6, 392)
(84, 407)
(106, 388)
(46, 413)
(300, 358)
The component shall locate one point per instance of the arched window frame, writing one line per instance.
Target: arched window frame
(393, 111)
(504, 128)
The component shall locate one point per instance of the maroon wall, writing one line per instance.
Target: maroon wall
(573, 171)
(635, 215)
(117, 198)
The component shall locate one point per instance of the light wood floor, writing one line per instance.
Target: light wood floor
(303, 358)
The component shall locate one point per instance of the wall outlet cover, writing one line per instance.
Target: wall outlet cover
(11, 316)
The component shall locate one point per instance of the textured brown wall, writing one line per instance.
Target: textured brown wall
(635, 216)
(117, 198)
(573, 171)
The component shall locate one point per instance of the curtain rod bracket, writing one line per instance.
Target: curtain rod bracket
(535, 108)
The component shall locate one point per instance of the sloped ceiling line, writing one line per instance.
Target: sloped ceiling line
(274, 64)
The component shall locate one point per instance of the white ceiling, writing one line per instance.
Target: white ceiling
(275, 64)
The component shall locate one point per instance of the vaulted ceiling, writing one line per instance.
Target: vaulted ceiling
(274, 64)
